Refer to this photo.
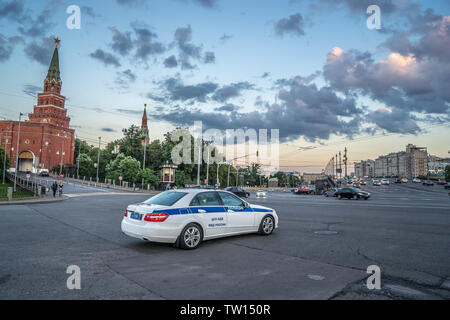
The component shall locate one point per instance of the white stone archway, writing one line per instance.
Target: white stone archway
(26, 161)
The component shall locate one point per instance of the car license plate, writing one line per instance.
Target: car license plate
(136, 216)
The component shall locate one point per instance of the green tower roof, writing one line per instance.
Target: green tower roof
(53, 70)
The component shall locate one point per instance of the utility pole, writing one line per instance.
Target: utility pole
(17, 153)
(78, 159)
(4, 161)
(237, 174)
(98, 156)
(228, 178)
(345, 160)
(61, 161)
(336, 159)
(217, 178)
(207, 166)
(340, 166)
(199, 160)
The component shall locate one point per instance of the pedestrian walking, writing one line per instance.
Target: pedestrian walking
(60, 188)
(54, 188)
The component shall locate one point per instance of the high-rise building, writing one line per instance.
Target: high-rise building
(45, 138)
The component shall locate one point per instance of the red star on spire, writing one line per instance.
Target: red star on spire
(57, 41)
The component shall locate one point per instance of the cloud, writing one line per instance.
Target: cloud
(171, 62)
(121, 42)
(265, 74)
(108, 130)
(189, 51)
(146, 43)
(207, 3)
(129, 3)
(231, 91)
(129, 111)
(40, 52)
(12, 10)
(31, 90)
(227, 108)
(177, 91)
(87, 10)
(210, 57)
(303, 110)
(225, 37)
(105, 57)
(293, 25)
(7, 46)
(394, 120)
(124, 78)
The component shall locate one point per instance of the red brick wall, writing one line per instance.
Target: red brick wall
(42, 139)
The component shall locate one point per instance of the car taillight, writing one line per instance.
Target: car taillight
(126, 213)
(156, 217)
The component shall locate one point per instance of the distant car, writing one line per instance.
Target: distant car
(376, 182)
(428, 183)
(356, 184)
(385, 182)
(331, 192)
(416, 180)
(261, 194)
(363, 182)
(404, 180)
(447, 186)
(43, 173)
(397, 181)
(238, 191)
(303, 190)
(352, 193)
(442, 182)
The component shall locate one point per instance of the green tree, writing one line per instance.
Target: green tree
(81, 147)
(447, 172)
(128, 167)
(86, 166)
(2, 157)
(149, 177)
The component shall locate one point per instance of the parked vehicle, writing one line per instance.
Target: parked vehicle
(303, 190)
(442, 182)
(428, 183)
(44, 173)
(397, 181)
(447, 186)
(416, 180)
(385, 182)
(352, 193)
(239, 192)
(404, 180)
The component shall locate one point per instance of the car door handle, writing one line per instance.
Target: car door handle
(201, 211)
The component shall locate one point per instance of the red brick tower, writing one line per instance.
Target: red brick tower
(50, 104)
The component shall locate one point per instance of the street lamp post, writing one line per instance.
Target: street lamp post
(98, 156)
(143, 164)
(78, 159)
(207, 166)
(62, 155)
(199, 160)
(17, 154)
(4, 161)
(228, 178)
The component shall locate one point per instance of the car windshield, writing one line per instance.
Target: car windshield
(167, 198)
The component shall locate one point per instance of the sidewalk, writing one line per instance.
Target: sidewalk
(46, 199)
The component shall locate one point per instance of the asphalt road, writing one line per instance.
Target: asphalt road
(321, 250)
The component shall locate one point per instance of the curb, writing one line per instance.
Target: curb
(24, 202)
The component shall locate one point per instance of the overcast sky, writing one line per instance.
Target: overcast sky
(309, 68)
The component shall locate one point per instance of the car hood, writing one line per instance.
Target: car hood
(256, 206)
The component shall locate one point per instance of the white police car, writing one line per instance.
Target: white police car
(186, 217)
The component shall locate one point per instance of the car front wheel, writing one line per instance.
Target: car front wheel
(267, 225)
(191, 237)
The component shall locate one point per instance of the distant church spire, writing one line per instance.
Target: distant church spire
(144, 127)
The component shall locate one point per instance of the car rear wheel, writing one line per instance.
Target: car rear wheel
(267, 225)
(191, 236)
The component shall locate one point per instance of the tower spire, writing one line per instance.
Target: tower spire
(52, 82)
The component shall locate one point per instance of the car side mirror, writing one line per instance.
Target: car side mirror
(246, 205)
